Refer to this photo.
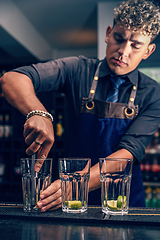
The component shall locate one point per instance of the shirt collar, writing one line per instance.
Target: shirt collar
(105, 70)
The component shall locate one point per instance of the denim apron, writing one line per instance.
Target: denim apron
(99, 129)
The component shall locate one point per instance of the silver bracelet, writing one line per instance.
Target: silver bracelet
(40, 113)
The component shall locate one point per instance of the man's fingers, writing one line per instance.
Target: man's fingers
(50, 202)
(52, 190)
(49, 206)
(33, 148)
(38, 165)
(51, 197)
(38, 132)
(44, 150)
(42, 153)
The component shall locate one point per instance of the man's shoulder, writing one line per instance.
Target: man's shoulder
(87, 60)
(149, 88)
(75, 62)
(146, 81)
(82, 64)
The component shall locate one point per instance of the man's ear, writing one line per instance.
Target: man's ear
(151, 48)
(108, 31)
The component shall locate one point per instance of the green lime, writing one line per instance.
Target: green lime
(112, 204)
(120, 200)
(73, 204)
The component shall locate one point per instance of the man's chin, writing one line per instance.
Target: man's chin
(118, 71)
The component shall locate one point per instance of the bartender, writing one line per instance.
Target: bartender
(113, 108)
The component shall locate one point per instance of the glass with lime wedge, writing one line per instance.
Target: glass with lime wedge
(74, 174)
(115, 177)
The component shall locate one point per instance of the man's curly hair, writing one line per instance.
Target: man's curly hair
(139, 15)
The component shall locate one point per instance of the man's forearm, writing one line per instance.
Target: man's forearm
(94, 181)
(19, 92)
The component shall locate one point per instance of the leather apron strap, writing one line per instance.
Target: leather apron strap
(109, 109)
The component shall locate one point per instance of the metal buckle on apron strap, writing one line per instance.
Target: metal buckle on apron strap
(90, 105)
(129, 112)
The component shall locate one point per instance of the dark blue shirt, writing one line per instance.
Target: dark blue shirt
(74, 75)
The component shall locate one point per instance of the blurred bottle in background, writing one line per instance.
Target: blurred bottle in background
(7, 126)
(1, 126)
(59, 126)
(148, 197)
(152, 197)
(147, 169)
(2, 168)
(155, 169)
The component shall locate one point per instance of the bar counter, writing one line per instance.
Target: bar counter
(139, 223)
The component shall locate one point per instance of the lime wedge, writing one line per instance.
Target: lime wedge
(120, 201)
(73, 204)
(112, 204)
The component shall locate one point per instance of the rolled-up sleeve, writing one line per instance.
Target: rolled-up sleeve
(50, 75)
(142, 129)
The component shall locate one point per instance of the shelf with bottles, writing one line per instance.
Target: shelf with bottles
(11, 122)
(60, 121)
(150, 165)
(11, 144)
(12, 147)
(6, 128)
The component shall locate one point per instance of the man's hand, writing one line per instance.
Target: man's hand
(51, 197)
(39, 135)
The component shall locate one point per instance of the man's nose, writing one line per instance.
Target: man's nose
(124, 49)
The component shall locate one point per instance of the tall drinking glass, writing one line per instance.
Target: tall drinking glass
(115, 177)
(74, 174)
(33, 183)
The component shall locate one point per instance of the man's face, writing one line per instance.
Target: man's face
(125, 49)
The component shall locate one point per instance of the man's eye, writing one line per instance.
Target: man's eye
(119, 40)
(136, 46)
